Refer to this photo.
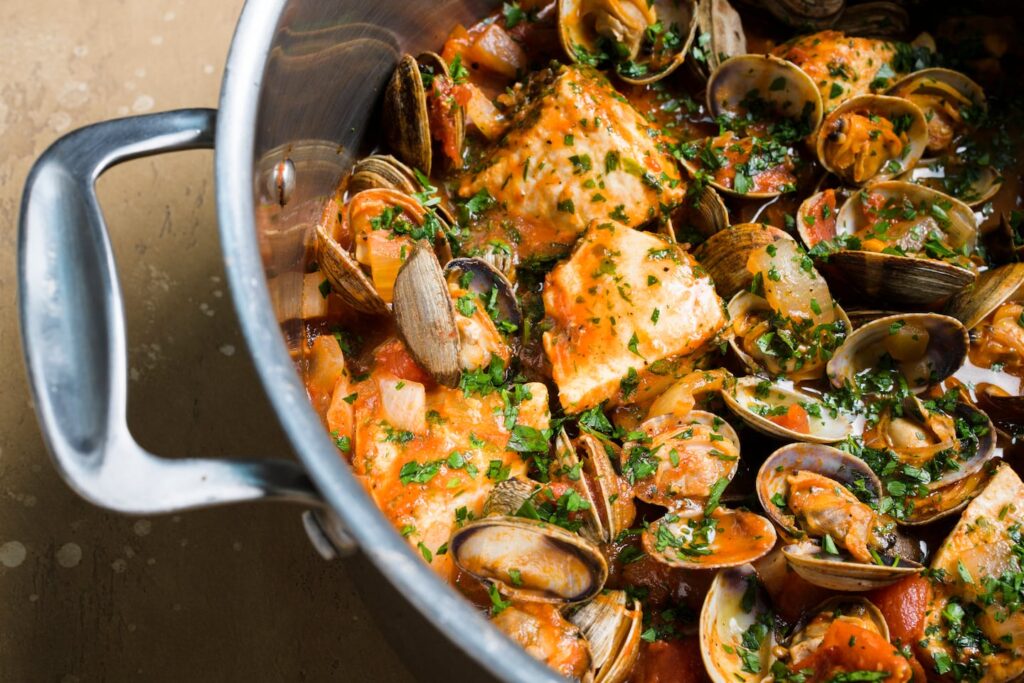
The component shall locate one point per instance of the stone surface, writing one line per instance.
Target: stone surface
(85, 595)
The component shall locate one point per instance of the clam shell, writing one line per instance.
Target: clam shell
(824, 429)
(724, 255)
(735, 602)
(992, 289)
(882, 19)
(554, 565)
(382, 171)
(810, 630)
(425, 316)
(608, 494)
(806, 15)
(785, 87)
(346, 276)
(723, 28)
(945, 83)
(666, 431)
(936, 173)
(814, 566)
(485, 278)
(831, 462)
(879, 105)
(405, 116)
(576, 29)
(612, 624)
(945, 353)
(740, 537)
(746, 302)
(706, 214)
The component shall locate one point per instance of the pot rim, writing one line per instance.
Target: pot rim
(234, 165)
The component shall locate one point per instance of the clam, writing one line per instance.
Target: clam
(880, 19)
(385, 172)
(810, 492)
(947, 98)
(608, 495)
(785, 413)
(487, 312)
(697, 218)
(530, 560)
(916, 349)
(993, 288)
(791, 326)
(902, 244)
(680, 458)
(612, 623)
(418, 94)
(804, 14)
(763, 88)
(872, 137)
(379, 227)
(724, 255)
(644, 40)
(719, 35)
(703, 539)
(972, 184)
(737, 632)
(816, 218)
(926, 440)
(425, 317)
(771, 105)
(810, 631)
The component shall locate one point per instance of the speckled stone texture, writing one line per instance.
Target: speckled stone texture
(226, 594)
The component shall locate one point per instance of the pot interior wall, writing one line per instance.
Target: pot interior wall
(319, 108)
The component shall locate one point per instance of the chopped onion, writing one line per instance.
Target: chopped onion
(326, 365)
(314, 303)
(385, 256)
(484, 115)
(403, 403)
(791, 285)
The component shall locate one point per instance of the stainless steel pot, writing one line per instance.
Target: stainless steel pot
(298, 102)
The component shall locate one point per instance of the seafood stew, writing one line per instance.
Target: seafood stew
(686, 340)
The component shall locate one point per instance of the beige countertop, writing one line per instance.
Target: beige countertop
(227, 594)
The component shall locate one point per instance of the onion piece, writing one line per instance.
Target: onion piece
(791, 285)
(484, 115)
(385, 257)
(403, 403)
(495, 50)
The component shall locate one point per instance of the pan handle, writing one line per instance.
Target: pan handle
(73, 333)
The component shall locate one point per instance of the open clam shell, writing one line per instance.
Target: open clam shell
(612, 623)
(425, 317)
(972, 185)
(681, 457)
(609, 496)
(631, 34)
(747, 304)
(755, 401)
(781, 89)
(847, 146)
(724, 255)
(944, 96)
(924, 348)
(385, 172)
(691, 540)
(839, 573)
(698, 218)
(736, 615)
(494, 292)
(805, 15)
(720, 36)
(530, 560)
(879, 19)
(406, 112)
(847, 470)
(810, 630)
(993, 288)
(910, 280)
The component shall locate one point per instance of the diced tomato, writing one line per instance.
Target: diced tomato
(871, 203)
(824, 214)
(442, 118)
(794, 419)
(393, 357)
(670, 661)
(847, 647)
(903, 605)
